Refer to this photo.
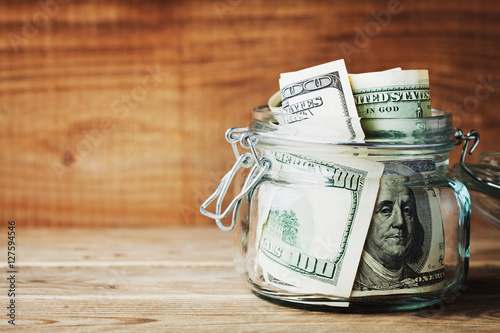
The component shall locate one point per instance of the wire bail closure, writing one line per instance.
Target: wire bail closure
(466, 138)
(245, 160)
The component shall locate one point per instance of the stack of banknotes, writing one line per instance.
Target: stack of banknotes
(366, 232)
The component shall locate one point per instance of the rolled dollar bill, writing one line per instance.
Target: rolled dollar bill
(392, 94)
(311, 237)
(319, 101)
(274, 102)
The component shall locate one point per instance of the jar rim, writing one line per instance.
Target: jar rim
(435, 132)
(436, 114)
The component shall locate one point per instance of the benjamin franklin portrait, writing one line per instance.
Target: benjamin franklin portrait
(395, 238)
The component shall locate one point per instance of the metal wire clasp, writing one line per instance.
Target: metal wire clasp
(244, 160)
(471, 136)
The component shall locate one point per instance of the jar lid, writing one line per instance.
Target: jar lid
(483, 181)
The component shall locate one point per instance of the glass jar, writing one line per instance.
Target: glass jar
(376, 223)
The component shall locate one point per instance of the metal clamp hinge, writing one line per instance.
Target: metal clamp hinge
(244, 160)
(465, 139)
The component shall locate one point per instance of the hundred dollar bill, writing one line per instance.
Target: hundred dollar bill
(404, 249)
(319, 101)
(392, 94)
(311, 237)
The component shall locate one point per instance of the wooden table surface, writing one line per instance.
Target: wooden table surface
(182, 278)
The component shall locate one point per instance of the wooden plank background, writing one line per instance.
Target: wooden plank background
(113, 113)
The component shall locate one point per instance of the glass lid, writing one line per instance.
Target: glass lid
(483, 181)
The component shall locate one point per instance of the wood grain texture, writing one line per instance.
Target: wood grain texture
(113, 114)
(182, 279)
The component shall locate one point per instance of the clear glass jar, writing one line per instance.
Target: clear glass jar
(299, 232)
